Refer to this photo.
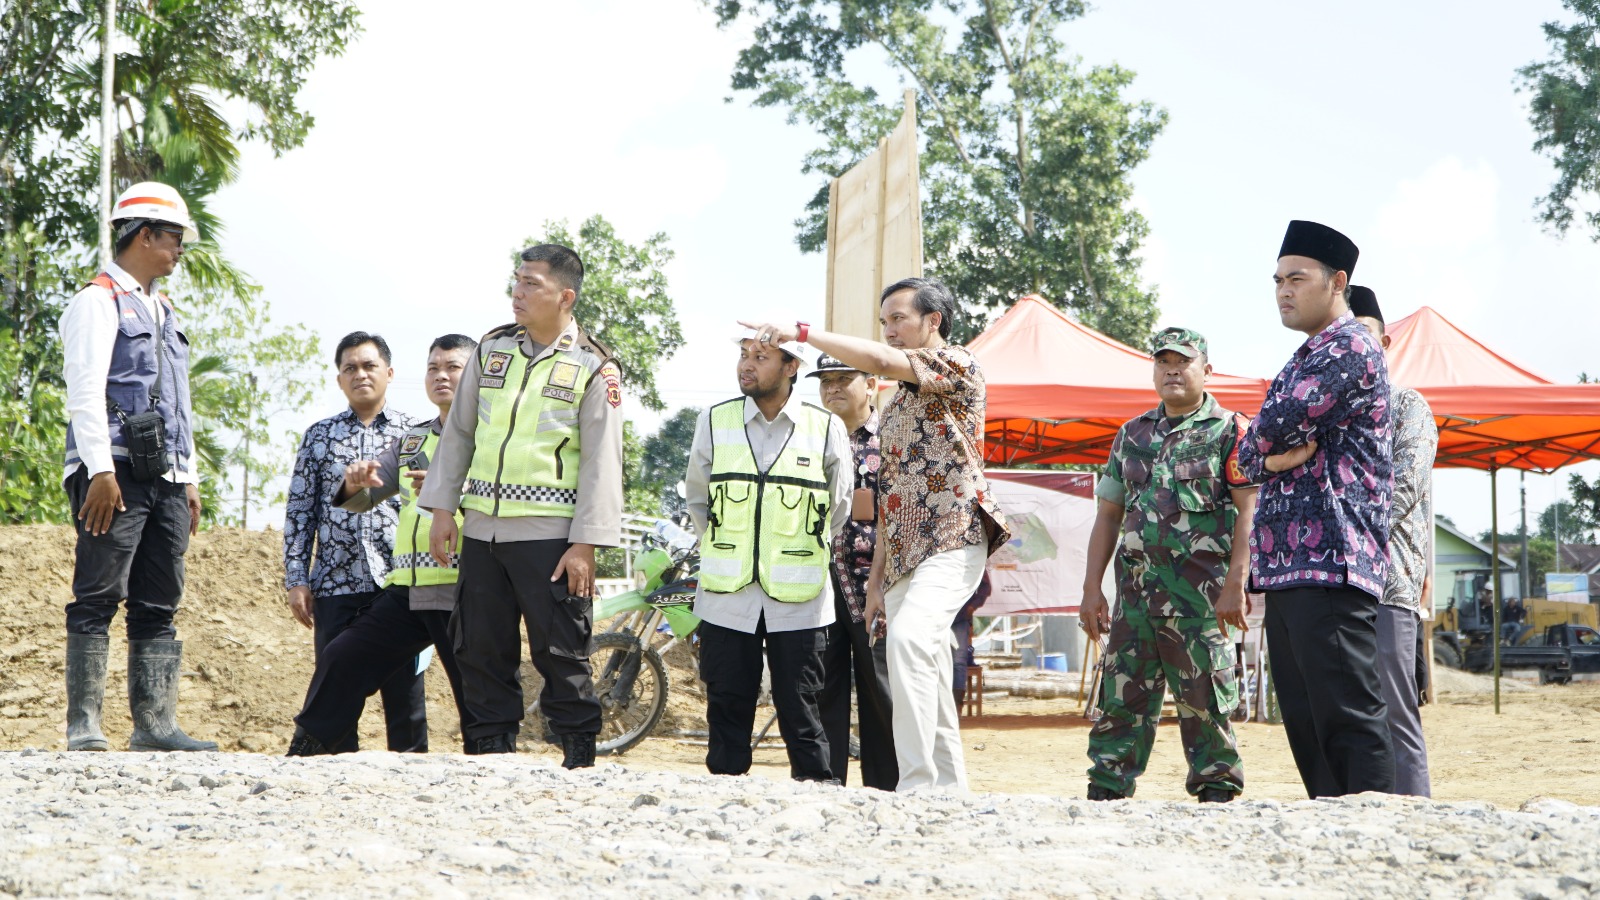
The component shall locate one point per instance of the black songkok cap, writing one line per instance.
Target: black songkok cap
(1322, 244)
(1364, 303)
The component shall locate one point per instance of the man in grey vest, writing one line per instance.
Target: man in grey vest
(130, 473)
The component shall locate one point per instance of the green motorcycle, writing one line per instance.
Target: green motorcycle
(630, 677)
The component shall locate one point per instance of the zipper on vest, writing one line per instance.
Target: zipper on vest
(511, 429)
(561, 467)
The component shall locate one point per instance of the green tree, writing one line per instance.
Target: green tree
(1027, 152)
(179, 63)
(1565, 113)
(666, 458)
(1562, 517)
(624, 302)
(1585, 507)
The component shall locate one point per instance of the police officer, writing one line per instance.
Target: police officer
(1173, 491)
(768, 486)
(535, 434)
(413, 611)
(130, 473)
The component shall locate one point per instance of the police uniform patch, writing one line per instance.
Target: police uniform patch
(490, 381)
(565, 375)
(497, 364)
(556, 393)
(411, 444)
(613, 379)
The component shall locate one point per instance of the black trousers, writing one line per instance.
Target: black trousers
(139, 558)
(1324, 650)
(848, 654)
(405, 700)
(381, 643)
(730, 665)
(500, 585)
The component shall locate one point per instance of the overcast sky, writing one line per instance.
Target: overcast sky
(443, 139)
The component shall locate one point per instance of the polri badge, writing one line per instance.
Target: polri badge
(565, 375)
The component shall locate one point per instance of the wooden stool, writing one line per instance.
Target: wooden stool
(972, 698)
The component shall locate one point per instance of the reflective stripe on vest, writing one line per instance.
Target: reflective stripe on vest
(770, 526)
(413, 565)
(525, 462)
(132, 375)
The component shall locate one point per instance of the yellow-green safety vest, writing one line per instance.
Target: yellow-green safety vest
(773, 525)
(525, 462)
(413, 565)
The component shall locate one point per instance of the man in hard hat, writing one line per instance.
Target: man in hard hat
(535, 434)
(1416, 442)
(413, 610)
(1174, 508)
(769, 485)
(130, 473)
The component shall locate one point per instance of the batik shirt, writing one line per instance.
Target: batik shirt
(1324, 523)
(852, 546)
(1175, 482)
(352, 549)
(935, 498)
(1416, 441)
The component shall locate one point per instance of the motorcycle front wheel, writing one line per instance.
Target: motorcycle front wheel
(631, 683)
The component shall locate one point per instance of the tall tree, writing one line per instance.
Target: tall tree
(1565, 113)
(179, 63)
(666, 458)
(1027, 152)
(1563, 518)
(1585, 506)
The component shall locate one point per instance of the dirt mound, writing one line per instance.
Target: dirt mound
(1456, 681)
(246, 661)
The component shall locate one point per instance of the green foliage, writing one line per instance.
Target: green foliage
(666, 458)
(624, 301)
(1585, 507)
(1027, 153)
(1541, 559)
(179, 64)
(1565, 113)
(1575, 526)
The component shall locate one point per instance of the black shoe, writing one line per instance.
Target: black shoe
(1096, 792)
(303, 744)
(1216, 795)
(494, 743)
(579, 749)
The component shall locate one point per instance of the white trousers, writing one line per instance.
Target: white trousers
(919, 609)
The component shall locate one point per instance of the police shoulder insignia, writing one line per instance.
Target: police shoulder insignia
(564, 375)
(613, 377)
(497, 363)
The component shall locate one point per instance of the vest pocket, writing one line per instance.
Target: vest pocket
(734, 505)
(1197, 484)
(561, 467)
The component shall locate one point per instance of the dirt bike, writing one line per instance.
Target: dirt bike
(630, 678)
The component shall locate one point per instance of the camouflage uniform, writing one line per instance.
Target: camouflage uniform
(1173, 480)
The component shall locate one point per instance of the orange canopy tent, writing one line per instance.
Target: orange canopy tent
(1058, 391)
(1492, 413)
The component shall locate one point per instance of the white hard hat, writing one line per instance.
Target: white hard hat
(153, 200)
(794, 348)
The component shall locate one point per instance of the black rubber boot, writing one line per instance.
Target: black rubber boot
(1096, 792)
(153, 697)
(303, 744)
(86, 690)
(579, 749)
(494, 743)
(1216, 795)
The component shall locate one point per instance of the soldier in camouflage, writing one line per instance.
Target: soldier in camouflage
(1175, 495)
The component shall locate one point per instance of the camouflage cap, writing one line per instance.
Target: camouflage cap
(1187, 341)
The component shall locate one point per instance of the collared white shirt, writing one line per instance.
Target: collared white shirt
(744, 609)
(88, 336)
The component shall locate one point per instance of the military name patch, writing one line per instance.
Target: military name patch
(556, 393)
(497, 364)
(564, 375)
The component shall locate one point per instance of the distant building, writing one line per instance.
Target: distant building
(1583, 559)
(1461, 567)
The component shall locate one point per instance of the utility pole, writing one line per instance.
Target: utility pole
(1527, 571)
(108, 126)
(244, 517)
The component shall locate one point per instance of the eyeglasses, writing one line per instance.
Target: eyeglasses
(176, 232)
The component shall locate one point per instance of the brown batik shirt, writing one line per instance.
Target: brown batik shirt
(933, 496)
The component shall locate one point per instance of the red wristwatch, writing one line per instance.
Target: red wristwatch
(804, 329)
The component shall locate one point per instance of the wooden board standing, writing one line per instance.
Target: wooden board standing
(874, 229)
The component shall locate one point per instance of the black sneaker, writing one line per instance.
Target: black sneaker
(494, 743)
(1216, 795)
(579, 751)
(303, 744)
(1096, 792)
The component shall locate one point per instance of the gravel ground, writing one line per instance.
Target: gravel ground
(237, 825)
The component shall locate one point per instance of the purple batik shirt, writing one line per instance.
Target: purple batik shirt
(1324, 523)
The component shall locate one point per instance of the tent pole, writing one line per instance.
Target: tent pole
(1494, 576)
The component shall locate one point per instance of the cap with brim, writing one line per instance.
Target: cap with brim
(1364, 303)
(793, 348)
(826, 364)
(1186, 341)
(1321, 243)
